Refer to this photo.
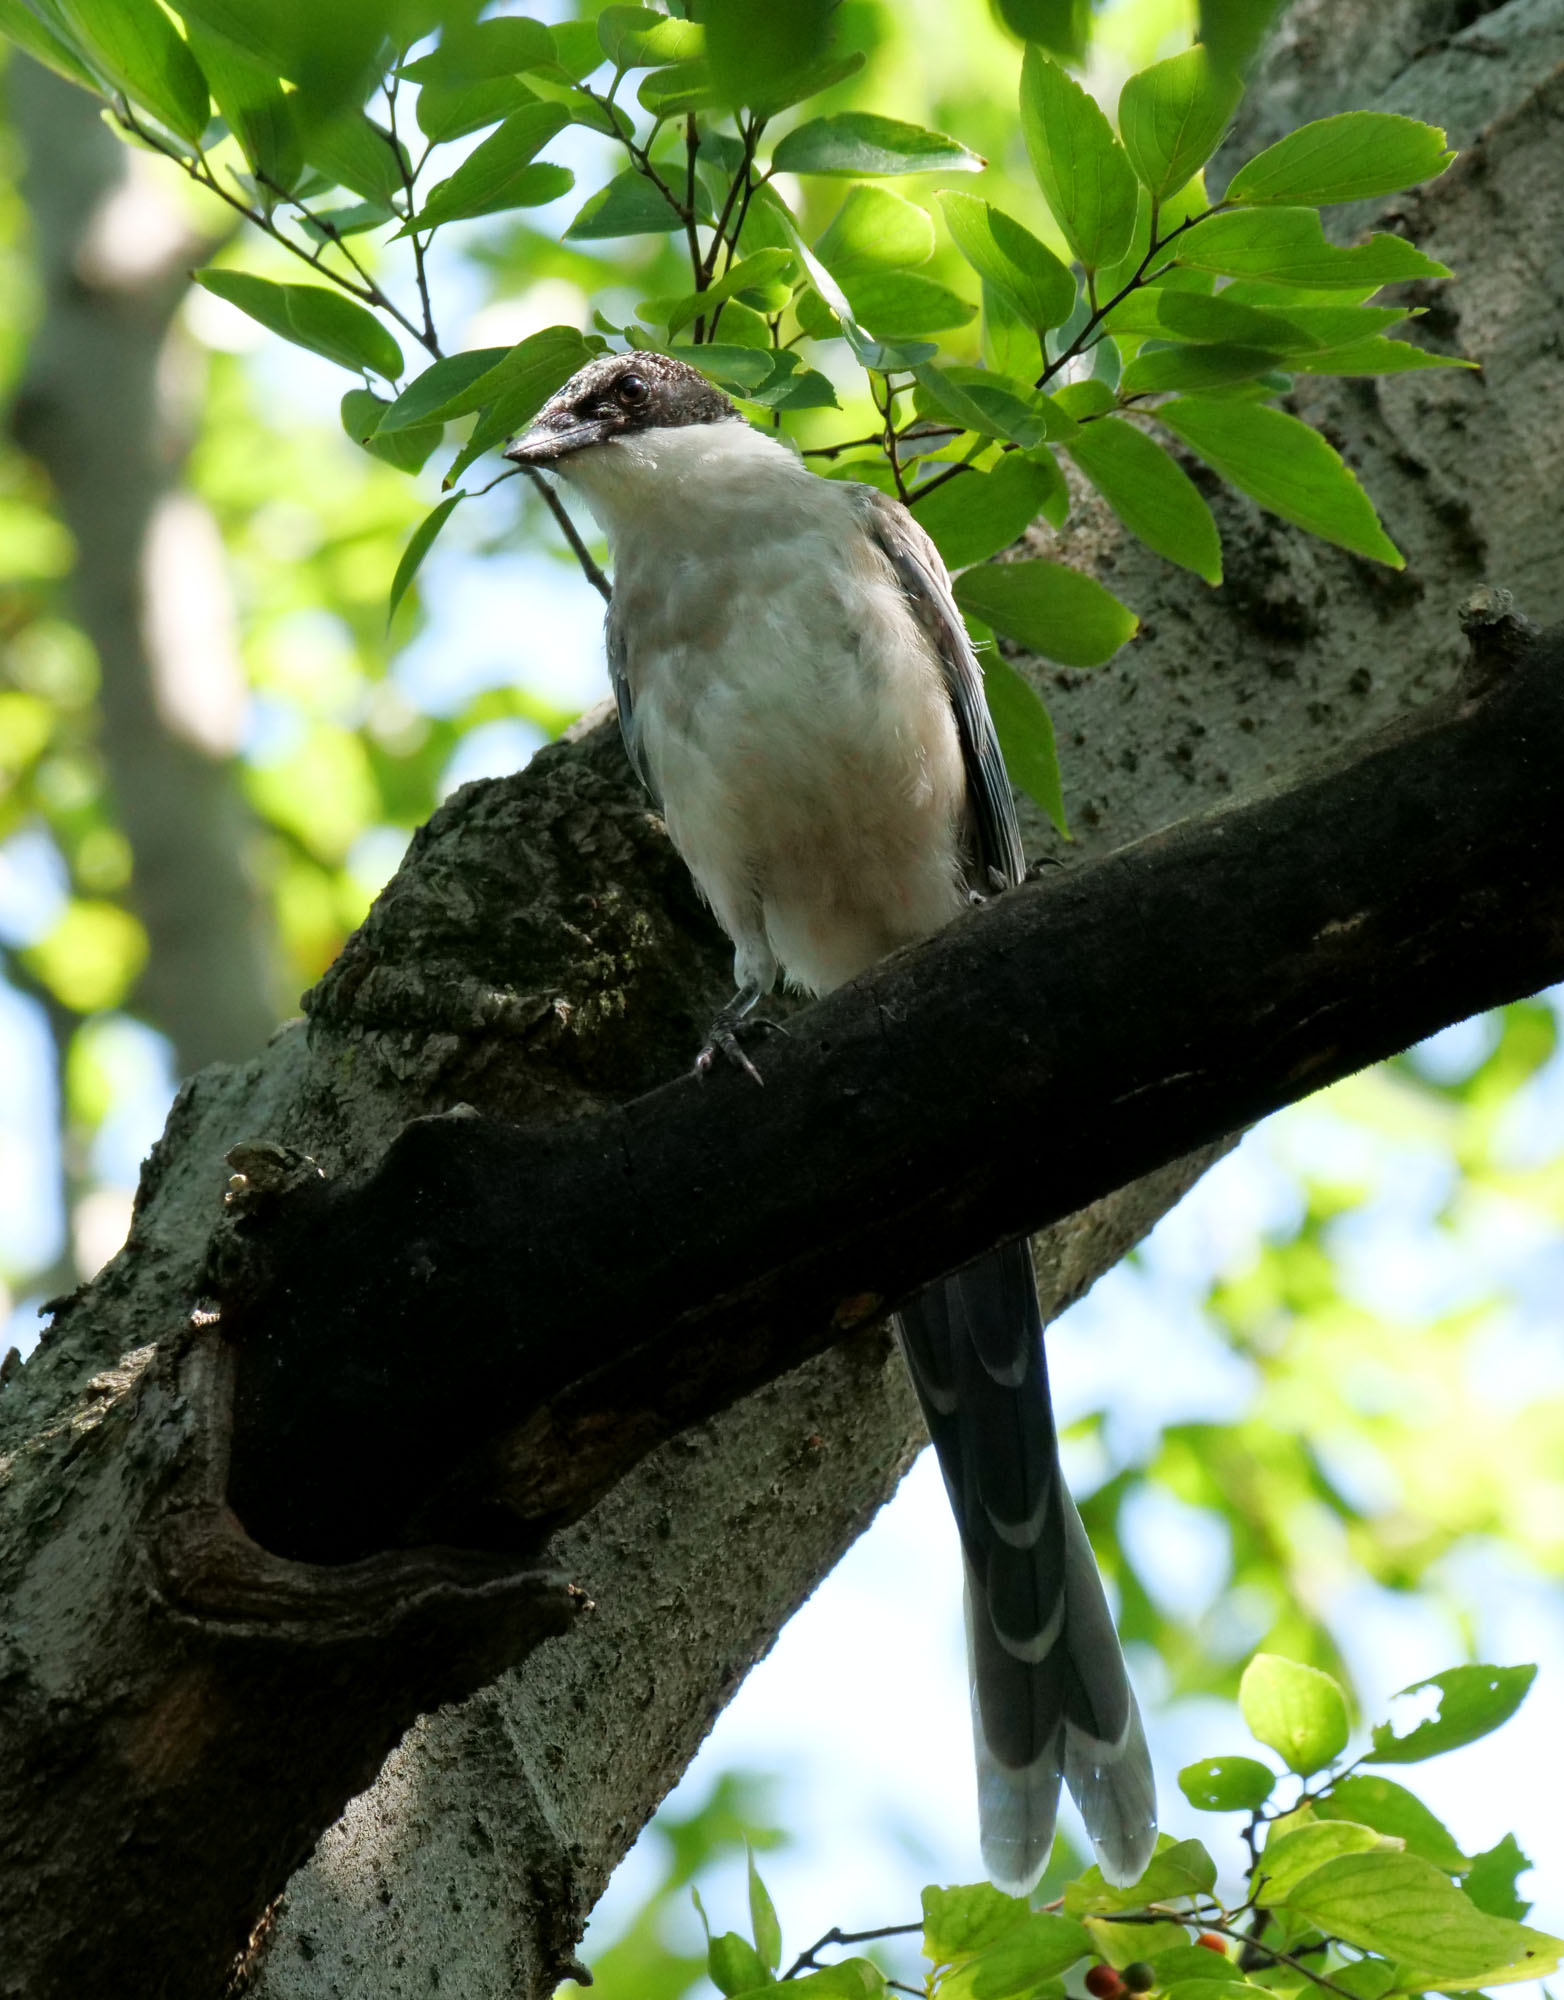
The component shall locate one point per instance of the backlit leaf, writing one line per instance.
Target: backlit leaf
(1063, 27)
(406, 449)
(1009, 257)
(422, 541)
(45, 44)
(499, 172)
(1194, 368)
(1175, 315)
(959, 1922)
(763, 1918)
(1391, 1808)
(477, 52)
(451, 111)
(1083, 171)
(640, 37)
(750, 47)
(1403, 1908)
(1290, 469)
(1042, 1946)
(1294, 1710)
(1172, 118)
(628, 206)
(313, 317)
(1292, 1856)
(1472, 1701)
(1288, 246)
(1490, 1882)
(875, 230)
(680, 88)
(1346, 158)
(863, 143)
(1178, 1868)
(1222, 1784)
(137, 47)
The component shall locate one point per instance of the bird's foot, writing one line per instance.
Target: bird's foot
(724, 1040)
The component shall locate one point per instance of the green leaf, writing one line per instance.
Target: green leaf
(1063, 27)
(1222, 1784)
(1373, 357)
(45, 44)
(875, 230)
(992, 405)
(499, 172)
(763, 1917)
(1404, 1909)
(1053, 611)
(1346, 158)
(641, 38)
(1294, 1710)
(1084, 399)
(1010, 258)
(759, 270)
(1159, 503)
(418, 548)
(478, 52)
(1391, 1808)
(405, 449)
(751, 46)
(1288, 246)
(897, 304)
(680, 88)
(359, 154)
(312, 317)
(1121, 1942)
(1174, 315)
(848, 1979)
(734, 1964)
(1083, 171)
(1287, 1860)
(1179, 1867)
(1323, 326)
(1290, 469)
(1172, 118)
(1472, 1701)
(871, 353)
(522, 377)
(251, 100)
(1018, 1962)
(979, 513)
(629, 206)
(332, 53)
(451, 111)
(1196, 368)
(1187, 1962)
(138, 49)
(862, 143)
(785, 89)
(959, 1922)
(1367, 1979)
(1490, 1882)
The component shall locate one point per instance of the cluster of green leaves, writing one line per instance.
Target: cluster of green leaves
(1150, 305)
(1354, 1886)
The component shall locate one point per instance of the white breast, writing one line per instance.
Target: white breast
(790, 711)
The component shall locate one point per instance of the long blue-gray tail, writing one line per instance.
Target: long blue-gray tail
(1050, 1697)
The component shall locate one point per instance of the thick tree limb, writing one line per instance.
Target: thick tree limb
(599, 1286)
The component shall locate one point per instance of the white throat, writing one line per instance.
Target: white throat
(676, 480)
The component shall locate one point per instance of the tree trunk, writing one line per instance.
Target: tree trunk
(98, 407)
(542, 958)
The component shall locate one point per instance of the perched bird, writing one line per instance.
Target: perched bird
(798, 694)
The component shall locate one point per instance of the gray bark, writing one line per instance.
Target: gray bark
(99, 406)
(473, 1859)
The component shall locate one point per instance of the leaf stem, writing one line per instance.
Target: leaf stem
(806, 1960)
(568, 529)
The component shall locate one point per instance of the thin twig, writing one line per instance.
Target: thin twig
(805, 1961)
(567, 528)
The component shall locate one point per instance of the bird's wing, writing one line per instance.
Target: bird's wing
(1050, 1698)
(618, 673)
(926, 584)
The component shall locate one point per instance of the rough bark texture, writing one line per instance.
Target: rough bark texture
(471, 1863)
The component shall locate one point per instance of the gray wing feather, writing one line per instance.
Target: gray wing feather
(926, 582)
(618, 674)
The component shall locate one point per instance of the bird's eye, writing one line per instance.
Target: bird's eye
(632, 390)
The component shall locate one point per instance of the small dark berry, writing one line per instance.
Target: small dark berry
(1139, 1977)
(1212, 1942)
(1103, 1983)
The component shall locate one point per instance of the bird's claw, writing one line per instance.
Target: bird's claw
(724, 1041)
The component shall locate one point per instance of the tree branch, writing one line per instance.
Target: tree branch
(691, 1245)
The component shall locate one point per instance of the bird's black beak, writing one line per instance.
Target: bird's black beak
(551, 439)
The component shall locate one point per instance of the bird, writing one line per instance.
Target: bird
(797, 692)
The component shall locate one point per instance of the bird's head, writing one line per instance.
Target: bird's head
(619, 396)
